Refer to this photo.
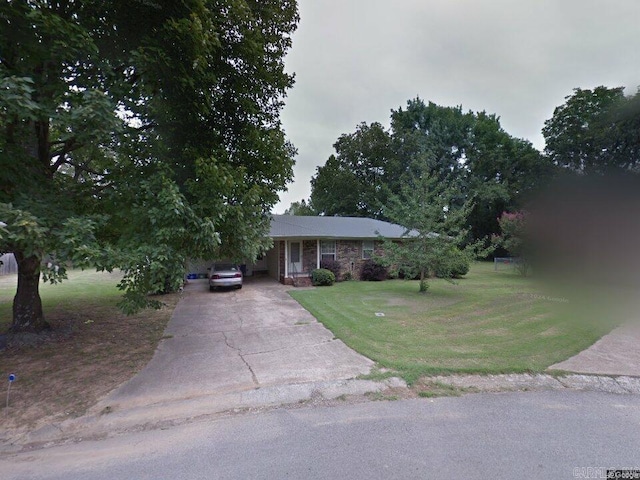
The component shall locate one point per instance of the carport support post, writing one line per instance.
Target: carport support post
(318, 253)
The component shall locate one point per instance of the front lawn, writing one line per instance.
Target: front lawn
(489, 322)
(82, 288)
(91, 348)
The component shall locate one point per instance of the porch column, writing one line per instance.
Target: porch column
(286, 258)
(318, 253)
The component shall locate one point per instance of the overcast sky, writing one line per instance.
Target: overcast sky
(355, 60)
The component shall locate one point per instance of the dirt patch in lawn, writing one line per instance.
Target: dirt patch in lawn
(89, 351)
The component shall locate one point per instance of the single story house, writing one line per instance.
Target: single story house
(302, 243)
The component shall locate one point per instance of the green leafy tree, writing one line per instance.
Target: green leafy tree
(434, 226)
(471, 149)
(135, 134)
(513, 238)
(353, 182)
(502, 173)
(434, 136)
(595, 132)
(302, 208)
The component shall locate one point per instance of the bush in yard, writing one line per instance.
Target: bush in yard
(322, 277)
(460, 268)
(456, 265)
(407, 274)
(332, 266)
(373, 272)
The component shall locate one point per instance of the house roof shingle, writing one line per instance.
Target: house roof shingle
(286, 226)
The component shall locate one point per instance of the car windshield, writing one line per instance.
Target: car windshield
(225, 267)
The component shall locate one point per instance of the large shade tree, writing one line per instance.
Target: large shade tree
(468, 149)
(301, 208)
(595, 132)
(134, 134)
(358, 171)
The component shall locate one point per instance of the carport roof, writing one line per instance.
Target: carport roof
(292, 226)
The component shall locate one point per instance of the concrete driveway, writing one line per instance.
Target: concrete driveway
(235, 341)
(617, 353)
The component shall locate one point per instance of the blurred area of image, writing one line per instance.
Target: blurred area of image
(584, 235)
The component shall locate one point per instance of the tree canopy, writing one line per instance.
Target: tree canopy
(134, 134)
(501, 172)
(301, 208)
(595, 132)
(359, 171)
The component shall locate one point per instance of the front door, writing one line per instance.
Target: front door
(295, 258)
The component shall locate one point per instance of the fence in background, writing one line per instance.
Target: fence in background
(507, 262)
(8, 264)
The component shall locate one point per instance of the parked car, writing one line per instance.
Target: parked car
(225, 275)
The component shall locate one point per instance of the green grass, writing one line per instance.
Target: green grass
(92, 348)
(81, 289)
(488, 322)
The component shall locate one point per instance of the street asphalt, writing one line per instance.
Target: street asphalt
(524, 435)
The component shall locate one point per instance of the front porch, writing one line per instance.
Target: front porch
(297, 258)
(293, 259)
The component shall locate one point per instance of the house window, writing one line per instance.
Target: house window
(327, 250)
(367, 249)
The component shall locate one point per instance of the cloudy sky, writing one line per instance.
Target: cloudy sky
(355, 60)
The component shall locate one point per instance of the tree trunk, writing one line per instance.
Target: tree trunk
(423, 282)
(27, 306)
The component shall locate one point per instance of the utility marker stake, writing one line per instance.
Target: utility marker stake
(12, 378)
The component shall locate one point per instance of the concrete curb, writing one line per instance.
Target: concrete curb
(541, 381)
(96, 425)
(103, 424)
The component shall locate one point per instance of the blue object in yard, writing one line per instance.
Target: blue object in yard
(12, 377)
(192, 276)
(243, 269)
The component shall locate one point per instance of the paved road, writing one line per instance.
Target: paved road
(524, 435)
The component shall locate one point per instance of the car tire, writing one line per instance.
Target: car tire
(212, 289)
(239, 287)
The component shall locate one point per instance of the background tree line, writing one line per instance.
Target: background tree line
(595, 132)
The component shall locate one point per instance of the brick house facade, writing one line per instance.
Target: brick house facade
(301, 243)
(349, 254)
